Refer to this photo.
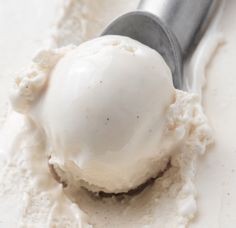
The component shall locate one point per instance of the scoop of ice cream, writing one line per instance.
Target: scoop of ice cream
(106, 109)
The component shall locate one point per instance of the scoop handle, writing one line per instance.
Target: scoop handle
(184, 17)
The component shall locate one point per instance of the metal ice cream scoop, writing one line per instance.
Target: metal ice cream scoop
(172, 27)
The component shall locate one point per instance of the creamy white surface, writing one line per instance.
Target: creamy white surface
(106, 117)
(173, 195)
(216, 179)
(20, 38)
(218, 165)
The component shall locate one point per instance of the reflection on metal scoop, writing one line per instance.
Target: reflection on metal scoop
(150, 30)
(172, 27)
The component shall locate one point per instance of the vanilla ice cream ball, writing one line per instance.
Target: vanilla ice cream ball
(103, 112)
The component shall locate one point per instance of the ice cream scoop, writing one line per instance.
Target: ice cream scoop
(107, 109)
(108, 112)
(171, 27)
(105, 125)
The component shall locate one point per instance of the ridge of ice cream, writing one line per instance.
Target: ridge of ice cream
(109, 112)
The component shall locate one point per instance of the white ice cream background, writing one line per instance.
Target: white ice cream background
(182, 131)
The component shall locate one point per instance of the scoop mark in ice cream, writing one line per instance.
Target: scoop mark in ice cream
(135, 191)
(120, 195)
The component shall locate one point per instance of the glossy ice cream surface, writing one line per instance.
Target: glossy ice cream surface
(107, 109)
(27, 144)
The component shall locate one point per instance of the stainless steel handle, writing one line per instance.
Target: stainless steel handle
(183, 17)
